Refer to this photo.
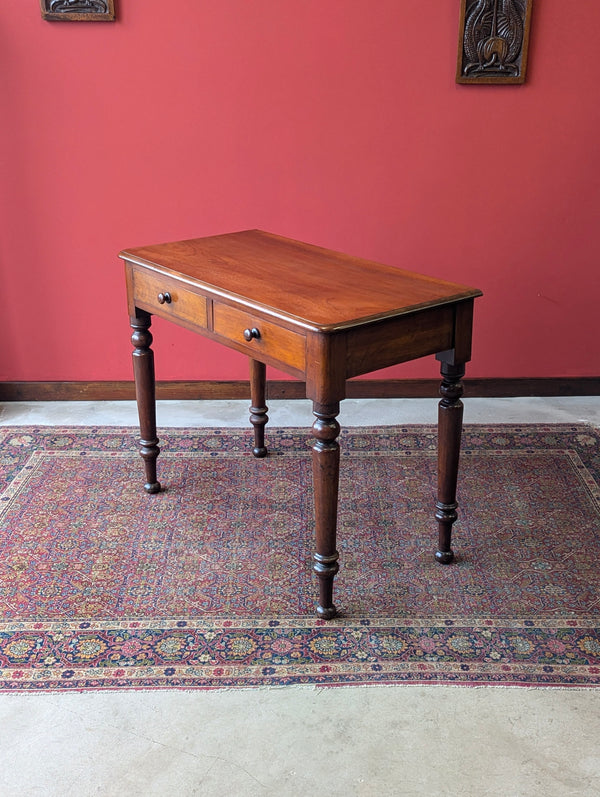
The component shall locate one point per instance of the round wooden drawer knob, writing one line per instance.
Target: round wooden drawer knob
(164, 298)
(251, 333)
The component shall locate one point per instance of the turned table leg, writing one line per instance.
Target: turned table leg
(326, 467)
(143, 370)
(258, 408)
(450, 414)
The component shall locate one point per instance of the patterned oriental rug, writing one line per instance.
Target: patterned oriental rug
(210, 584)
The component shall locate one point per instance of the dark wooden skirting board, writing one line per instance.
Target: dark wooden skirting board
(284, 389)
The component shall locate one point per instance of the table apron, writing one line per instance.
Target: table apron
(399, 339)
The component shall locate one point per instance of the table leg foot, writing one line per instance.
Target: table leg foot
(258, 408)
(449, 434)
(143, 369)
(326, 614)
(326, 567)
(326, 466)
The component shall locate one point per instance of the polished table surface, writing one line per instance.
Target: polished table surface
(319, 315)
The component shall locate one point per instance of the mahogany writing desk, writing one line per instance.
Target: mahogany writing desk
(319, 315)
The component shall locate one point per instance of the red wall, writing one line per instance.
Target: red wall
(337, 122)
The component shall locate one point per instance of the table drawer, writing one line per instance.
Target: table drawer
(257, 336)
(166, 297)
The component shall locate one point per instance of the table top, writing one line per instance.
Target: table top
(320, 288)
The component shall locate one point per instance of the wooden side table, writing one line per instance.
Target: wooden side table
(318, 315)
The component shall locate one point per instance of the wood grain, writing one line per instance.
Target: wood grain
(318, 288)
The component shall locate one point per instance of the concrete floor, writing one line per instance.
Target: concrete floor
(373, 741)
(354, 412)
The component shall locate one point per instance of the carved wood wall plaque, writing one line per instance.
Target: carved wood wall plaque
(78, 10)
(493, 41)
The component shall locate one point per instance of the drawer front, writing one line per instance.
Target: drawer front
(267, 337)
(178, 302)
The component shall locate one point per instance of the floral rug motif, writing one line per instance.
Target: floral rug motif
(209, 583)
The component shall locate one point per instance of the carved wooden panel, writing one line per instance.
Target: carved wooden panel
(78, 10)
(493, 41)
